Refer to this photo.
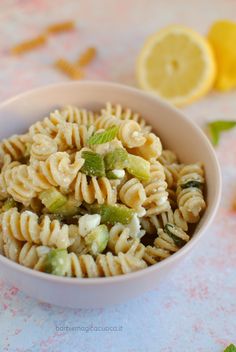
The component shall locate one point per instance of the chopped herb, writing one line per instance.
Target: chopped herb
(103, 137)
(216, 127)
(193, 183)
(230, 348)
(168, 228)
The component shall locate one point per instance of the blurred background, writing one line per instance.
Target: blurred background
(196, 309)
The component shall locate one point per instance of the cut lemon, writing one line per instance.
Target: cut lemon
(222, 37)
(177, 64)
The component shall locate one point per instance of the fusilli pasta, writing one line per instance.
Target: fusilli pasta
(120, 241)
(87, 56)
(60, 27)
(80, 116)
(26, 254)
(42, 147)
(151, 149)
(48, 126)
(70, 69)
(28, 45)
(125, 114)
(26, 226)
(15, 146)
(130, 133)
(57, 170)
(79, 200)
(124, 263)
(71, 135)
(132, 193)
(156, 191)
(189, 192)
(89, 189)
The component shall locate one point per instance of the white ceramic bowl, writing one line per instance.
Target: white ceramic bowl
(176, 132)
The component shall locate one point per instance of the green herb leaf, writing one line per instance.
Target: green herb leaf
(168, 228)
(103, 137)
(216, 127)
(93, 164)
(193, 183)
(230, 348)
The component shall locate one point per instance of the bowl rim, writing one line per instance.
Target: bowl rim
(155, 267)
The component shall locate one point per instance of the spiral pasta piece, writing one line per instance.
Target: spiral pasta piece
(68, 68)
(20, 185)
(57, 170)
(15, 146)
(83, 265)
(159, 221)
(48, 126)
(189, 192)
(165, 244)
(125, 114)
(30, 44)
(26, 254)
(87, 56)
(26, 226)
(8, 164)
(60, 27)
(171, 174)
(151, 149)
(120, 241)
(80, 116)
(156, 191)
(89, 189)
(42, 147)
(129, 133)
(175, 218)
(24, 182)
(71, 135)
(165, 240)
(124, 263)
(78, 246)
(106, 121)
(154, 255)
(132, 193)
(168, 157)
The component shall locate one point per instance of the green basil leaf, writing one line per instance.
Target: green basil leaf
(216, 127)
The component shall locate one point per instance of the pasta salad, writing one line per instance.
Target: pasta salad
(93, 194)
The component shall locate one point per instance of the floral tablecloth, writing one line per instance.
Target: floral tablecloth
(195, 310)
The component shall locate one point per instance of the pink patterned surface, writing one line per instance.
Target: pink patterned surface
(195, 310)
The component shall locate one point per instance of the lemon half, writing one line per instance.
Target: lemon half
(222, 37)
(177, 64)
